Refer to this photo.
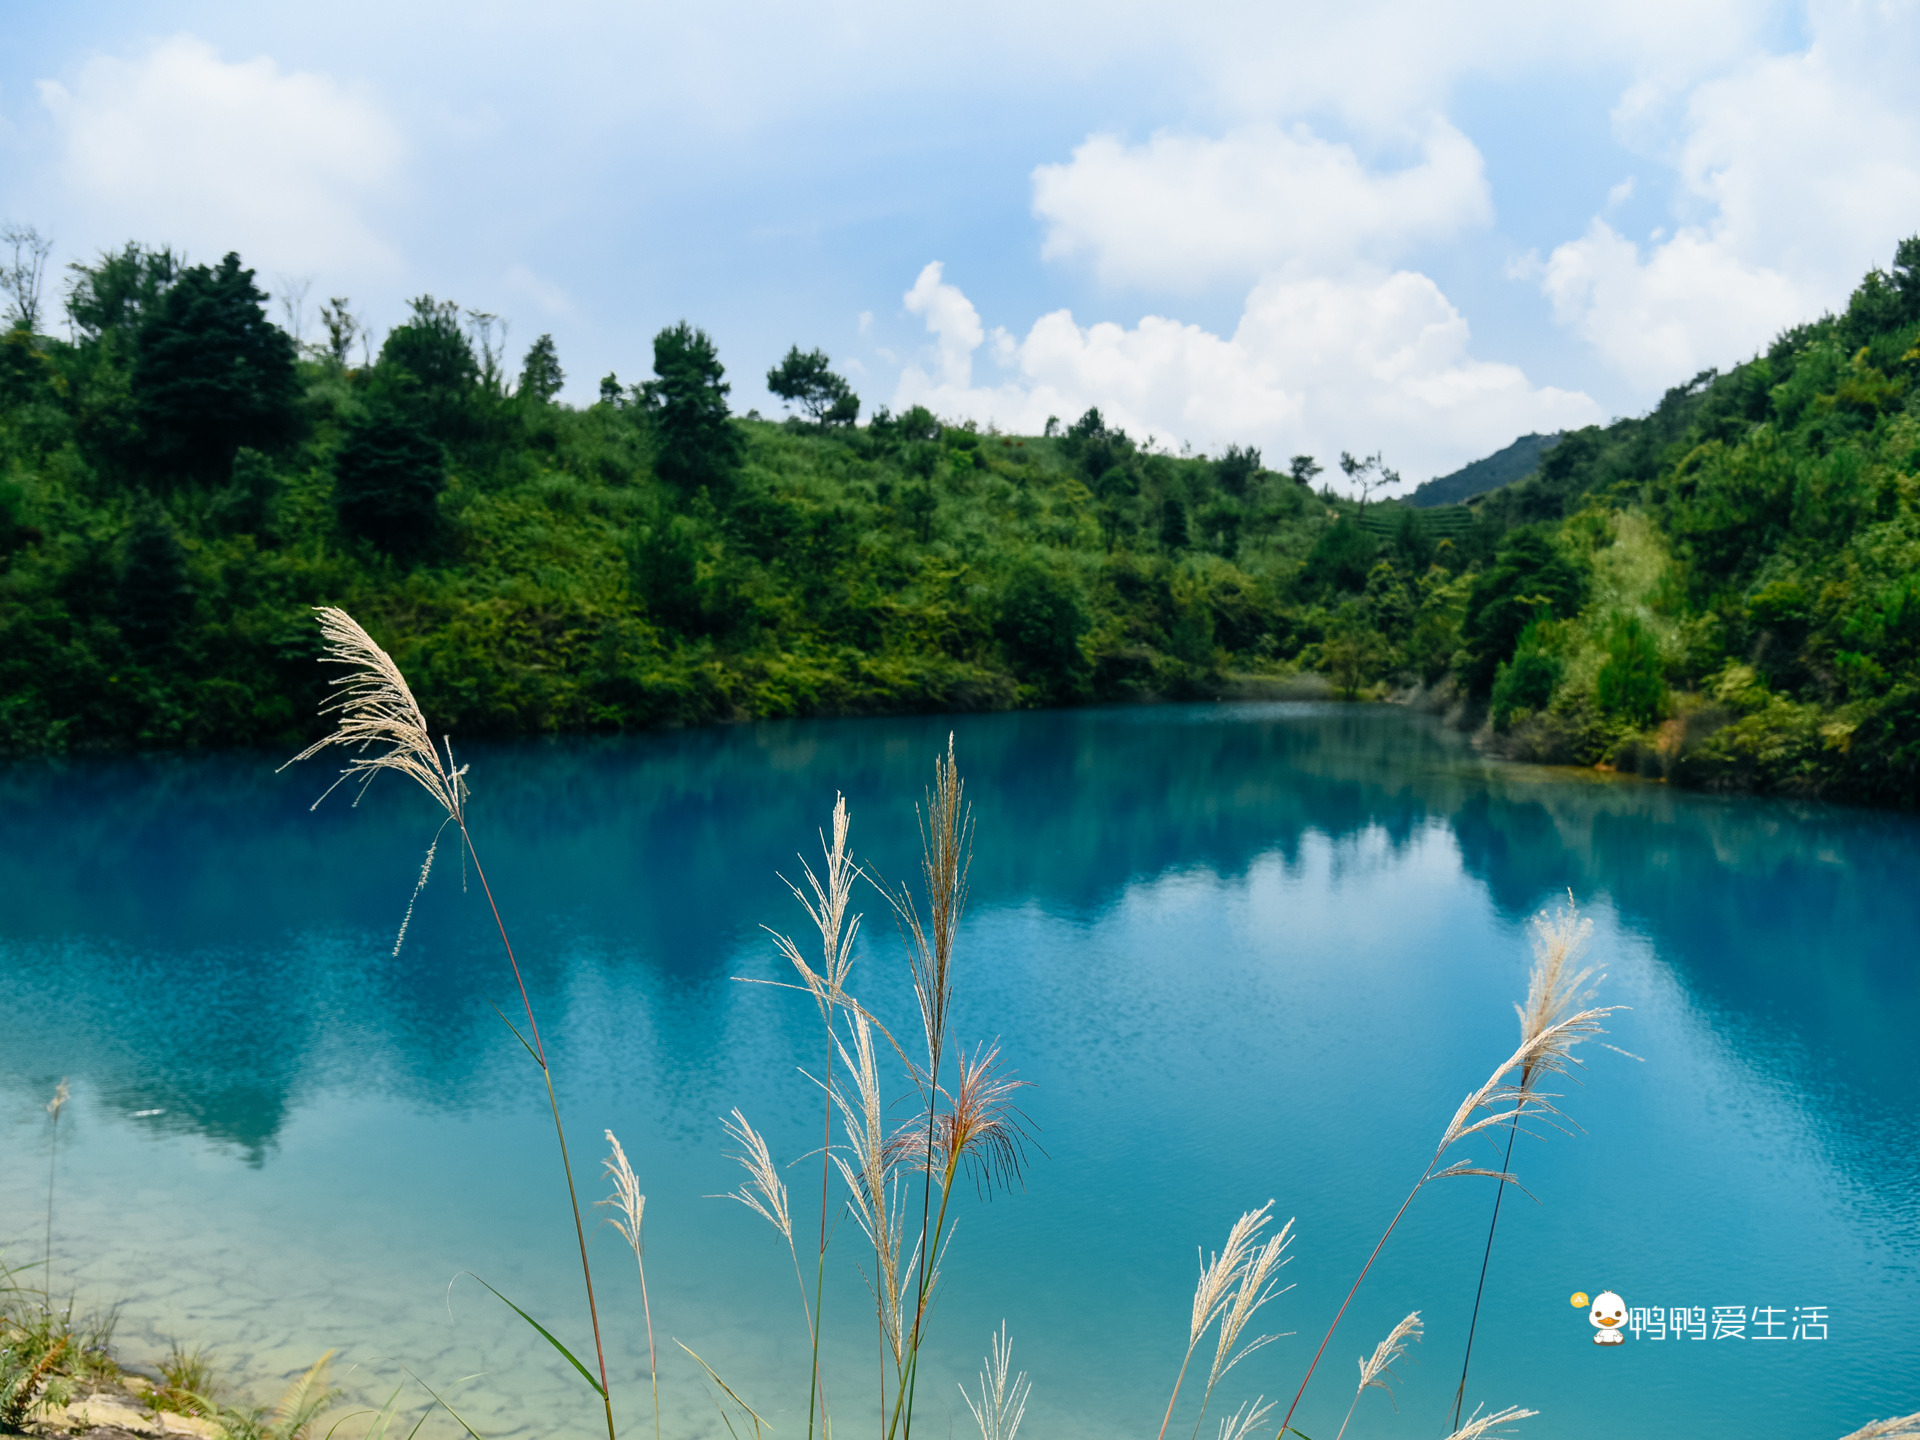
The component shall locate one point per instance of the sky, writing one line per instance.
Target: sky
(1408, 227)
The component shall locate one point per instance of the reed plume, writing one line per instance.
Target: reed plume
(980, 1131)
(381, 727)
(764, 1193)
(1478, 1425)
(1244, 1421)
(1554, 987)
(1377, 1369)
(1547, 1051)
(870, 1168)
(825, 902)
(946, 852)
(1233, 1285)
(1002, 1405)
(1906, 1427)
(630, 1208)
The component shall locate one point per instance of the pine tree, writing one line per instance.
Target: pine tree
(540, 374)
(211, 373)
(695, 442)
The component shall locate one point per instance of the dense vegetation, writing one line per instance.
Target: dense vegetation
(1722, 591)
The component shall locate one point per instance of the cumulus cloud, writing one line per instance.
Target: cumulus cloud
(1663, 316)
(951, 320)
(1378, 360)
(179, 146)
(1795, 174)
(1183, 211)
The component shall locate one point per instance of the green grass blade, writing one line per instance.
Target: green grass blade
(532, 1054)
(718, 1381)
(547, 1335)
(443, 1404)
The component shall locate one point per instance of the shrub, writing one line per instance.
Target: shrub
(1631, 685)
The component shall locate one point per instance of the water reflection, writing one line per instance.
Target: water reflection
(209, 947)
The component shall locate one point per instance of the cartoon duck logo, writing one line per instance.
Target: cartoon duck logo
(1608, 1314)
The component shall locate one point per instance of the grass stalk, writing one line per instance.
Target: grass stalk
(628, 1200)
(1544, 1051)
(946, 838)
(1553, 988)
(381, 728)
(559, 1131)
(54, 1107)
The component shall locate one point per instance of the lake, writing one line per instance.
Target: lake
(1240, 952)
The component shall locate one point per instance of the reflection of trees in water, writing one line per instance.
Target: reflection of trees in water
(207, 945)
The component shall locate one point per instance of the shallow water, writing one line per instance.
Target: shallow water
(1240, 952)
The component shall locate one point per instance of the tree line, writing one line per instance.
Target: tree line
(1696, 592)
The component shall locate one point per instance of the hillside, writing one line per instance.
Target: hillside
(1503, 467)
(1720, 591)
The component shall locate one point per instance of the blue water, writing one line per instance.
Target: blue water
(1240, 952)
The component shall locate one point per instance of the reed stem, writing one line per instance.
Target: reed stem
(560, 1134)
(820, 1276)
(1379, 1245)
(1499, 1194)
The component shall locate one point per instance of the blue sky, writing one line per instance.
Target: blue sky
(1414, 228)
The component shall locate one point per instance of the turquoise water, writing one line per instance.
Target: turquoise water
(1241, 952)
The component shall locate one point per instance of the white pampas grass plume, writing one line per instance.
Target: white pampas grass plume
(1002, 1405)
(380, 721)
(1478, 1424)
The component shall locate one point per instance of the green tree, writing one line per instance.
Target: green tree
(154, 597)
(25, 375)
(1530, 579)
(1041, 617)
(1237, 469)
(540, 374)
(21, 272)
(211, 373)
(1303, 468)
(342, 328)
(387, 477)
(1526, 682)
(428, 370)
(807, 380)
(662, 567)
(244, 503)
(1632, 683)
(119, 291)
(1341, 558)
(686, 401)
(1352, 651)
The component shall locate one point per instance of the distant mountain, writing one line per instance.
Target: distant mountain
(1503, 467)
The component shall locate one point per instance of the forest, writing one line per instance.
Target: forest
(1724, 592)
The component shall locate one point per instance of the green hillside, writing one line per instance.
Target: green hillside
(1503, 467)
(1721, 591)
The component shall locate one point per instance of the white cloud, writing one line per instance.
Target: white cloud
(1375, 361)
(180, 146)
(951, 320)
(1661, 318)
(1183, 211)
(1795, 174)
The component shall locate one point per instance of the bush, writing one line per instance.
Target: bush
(1631, 685)
(1525, 684)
